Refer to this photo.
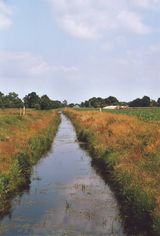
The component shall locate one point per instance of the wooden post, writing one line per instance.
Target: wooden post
(24, 111)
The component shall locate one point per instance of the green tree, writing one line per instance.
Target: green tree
(111, 101)
(2, 97)
(32, 100)
(158, 102)
(153, 103)
(71, 105)
(12, 101)
(45, 103)
(146, 101)
(136, 103)
(85, 104)
(65, 103)
(56, 104)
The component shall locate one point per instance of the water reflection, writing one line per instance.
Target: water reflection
(66, 197)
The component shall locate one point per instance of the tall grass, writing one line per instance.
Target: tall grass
(130, 149)
(23, 141)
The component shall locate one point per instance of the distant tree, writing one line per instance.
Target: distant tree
(158, 102)
(65, 103)
(12, 101)
(153, 103)
(146, 101)
(86, 104)
(32, 100)
(56, 104)
(92, 102)
(102, 102)
(111, 101)
(98, 102)
(136, 103)
(123, 103)
(2, 100)
(37, 106)
(71, 105)
(45, 103)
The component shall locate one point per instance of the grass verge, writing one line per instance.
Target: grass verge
(24, 140)
(129, 150)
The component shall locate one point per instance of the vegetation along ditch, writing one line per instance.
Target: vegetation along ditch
(23, 140)
(128, 149)
(66, 196)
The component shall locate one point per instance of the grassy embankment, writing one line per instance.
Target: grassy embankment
(23, 140)
(129, 149)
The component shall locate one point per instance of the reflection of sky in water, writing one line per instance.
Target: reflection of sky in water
(66, 196)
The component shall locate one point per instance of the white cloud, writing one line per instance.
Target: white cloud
(25, 64)
(90, 19)
(146, 3)
(5, 15)
(78, 28)
(132, 22)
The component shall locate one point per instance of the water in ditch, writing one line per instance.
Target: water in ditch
(66, 196)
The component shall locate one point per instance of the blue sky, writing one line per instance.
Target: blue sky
(77, 49)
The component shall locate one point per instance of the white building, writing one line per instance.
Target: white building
(111, 107)
(115, 107)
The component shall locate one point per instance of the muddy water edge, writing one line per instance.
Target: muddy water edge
(67, 197)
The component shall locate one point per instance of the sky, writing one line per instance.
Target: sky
(78, 49)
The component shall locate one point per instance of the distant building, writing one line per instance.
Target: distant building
(76, 106)
(111, 107)
(123, 107)
(115, 107)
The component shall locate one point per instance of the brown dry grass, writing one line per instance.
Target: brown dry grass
(133, 148)
(15, 132)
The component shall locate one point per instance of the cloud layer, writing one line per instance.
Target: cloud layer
(5, 15)
(91, 19)
(26, 64)
(119, 57)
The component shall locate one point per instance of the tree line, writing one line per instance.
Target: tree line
(98, 102)
(32, 100)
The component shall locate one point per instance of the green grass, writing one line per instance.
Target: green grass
(147, 114)
(16, 176)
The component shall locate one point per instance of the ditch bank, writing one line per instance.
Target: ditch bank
(67, 197)
(18, 178)
(136, 206)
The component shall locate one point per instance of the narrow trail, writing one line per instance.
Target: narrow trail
(66, 196)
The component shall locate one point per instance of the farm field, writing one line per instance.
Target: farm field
(147, 114)
(129, 148)
(23, 140)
